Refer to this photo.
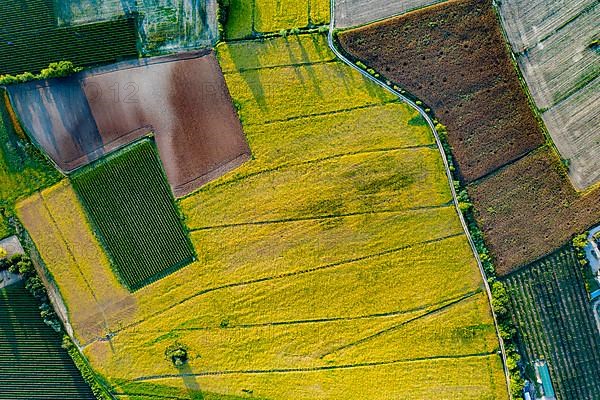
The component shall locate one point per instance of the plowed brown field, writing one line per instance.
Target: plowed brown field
(454, 58)
(182, 99)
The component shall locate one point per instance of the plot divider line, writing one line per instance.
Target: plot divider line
(318, 160)
(432, 307)
(323, 217)
(402, 324)
(314, 369)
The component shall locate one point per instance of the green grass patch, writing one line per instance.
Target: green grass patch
(23, 169)
(132, 207)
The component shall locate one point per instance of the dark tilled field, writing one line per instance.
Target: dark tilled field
(530, 208)
(186, 104)
(454, 58)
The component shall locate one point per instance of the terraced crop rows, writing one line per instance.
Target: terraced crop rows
(32, 363)
(132, 207)
(555, 322)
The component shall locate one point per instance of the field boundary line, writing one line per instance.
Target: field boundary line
(421, 111)
(284, 276)
(317, 320)
(322, 114)
(293, 65)
(402, 324)
(314, 369)
(323, 217)
(279, 167)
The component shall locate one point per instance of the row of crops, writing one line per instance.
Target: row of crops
(20, 15)
(555, 322)
(33, 364)
(131, 206)
(88, 44)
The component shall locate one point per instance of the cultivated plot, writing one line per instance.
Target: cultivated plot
(57, 223)
(32, 361)
(132, 208)
(552, 311)
(182, 99)
(247, 18)
(553, 44)
(164, 25)
(349, 13)
(319, 247)
(34, 41)
(454, 58)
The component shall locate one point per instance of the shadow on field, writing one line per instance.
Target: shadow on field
(191, 383)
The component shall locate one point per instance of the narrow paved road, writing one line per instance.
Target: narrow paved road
(331, 43)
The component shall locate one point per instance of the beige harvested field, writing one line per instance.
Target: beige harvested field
(349, 13)
(578, 119)
(551, 40)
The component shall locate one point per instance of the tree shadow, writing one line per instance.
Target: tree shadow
(190, 382)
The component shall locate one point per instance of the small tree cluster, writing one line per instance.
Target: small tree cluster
(22, 265)
(177, 354)
(54, 70)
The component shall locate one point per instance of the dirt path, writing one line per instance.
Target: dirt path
(446, 167)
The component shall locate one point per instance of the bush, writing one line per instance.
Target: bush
(3, 253)
(177, 354)
(55, 70)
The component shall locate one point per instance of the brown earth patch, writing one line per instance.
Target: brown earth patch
(186, 104)
(530, 208)
(182, 99)
(453, 56)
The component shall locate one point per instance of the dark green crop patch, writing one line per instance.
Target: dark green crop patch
(133, 211)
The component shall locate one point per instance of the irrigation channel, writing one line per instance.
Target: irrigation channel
(331, 42)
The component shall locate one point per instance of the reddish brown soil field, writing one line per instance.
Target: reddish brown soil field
(183, 99)
(453, 56)
(185, 103)
(530, 208)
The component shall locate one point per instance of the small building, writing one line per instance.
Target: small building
(543, 377)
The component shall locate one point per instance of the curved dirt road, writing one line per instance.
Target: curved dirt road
(422, 112)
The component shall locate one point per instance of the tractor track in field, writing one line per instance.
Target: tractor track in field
(277, 277)
(402, 324)
(321, 217)
(428, 309)
(313, 369)
(421, 111)
(283, 166)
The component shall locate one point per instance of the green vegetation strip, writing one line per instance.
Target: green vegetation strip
(132, 207)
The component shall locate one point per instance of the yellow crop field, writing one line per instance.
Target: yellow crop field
(266, 16)
(274, 52)
(466, 378)
(332, 264)
(59, 228)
